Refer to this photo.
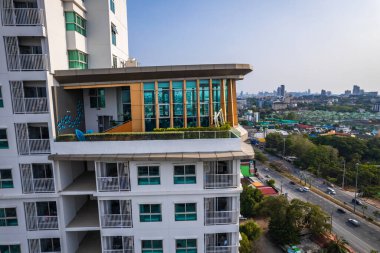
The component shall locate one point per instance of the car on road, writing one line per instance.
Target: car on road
(341, 210)
(292, 183)
(354, 222)
(266, 169)
(357, 202)
(300, 189)
(331, 191)
(267, 176)
(306, 189)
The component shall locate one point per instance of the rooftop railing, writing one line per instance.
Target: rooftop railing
(133, 136)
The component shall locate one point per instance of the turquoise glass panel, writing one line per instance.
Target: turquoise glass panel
(177, 85)
(178, 96)
(191, 84)
(149, 86)
(150, 124)
(178, 122)
(154, 180)
(4, 145)
(204, 83)
(190, 207)
(216, 82)
(192, 216)
(180, 217)
(163, 85)
(143, 181)
(179, 180)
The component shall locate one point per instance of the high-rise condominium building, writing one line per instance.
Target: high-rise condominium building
(81, 167)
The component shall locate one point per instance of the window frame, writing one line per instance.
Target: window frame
(6, 219)
(1, 98)
(186, 249)
(12, 250)
(184, 175)
(113, 34)
(99, 97)
(79, 23)
(152, 249)
(150, 213)
(6, 180)
(149, 177)
(186, 213)
(4, 141)
(78, 54)
(112, 6)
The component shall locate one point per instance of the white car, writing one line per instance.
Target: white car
(300, 189)
(306, 189)
(354, 222)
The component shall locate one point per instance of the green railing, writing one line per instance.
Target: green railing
(167, 135)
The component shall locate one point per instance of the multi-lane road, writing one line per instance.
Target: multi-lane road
(362, 239)
(319, 183)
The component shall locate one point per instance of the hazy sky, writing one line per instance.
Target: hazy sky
(316, 44)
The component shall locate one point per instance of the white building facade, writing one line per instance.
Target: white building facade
(37, 38)
(164, 195)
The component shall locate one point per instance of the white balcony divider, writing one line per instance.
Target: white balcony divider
(214, 181)
(22, 17)
(27, 62)
(221, 217)
(116, 220)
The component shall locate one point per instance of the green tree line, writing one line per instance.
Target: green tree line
(324, 156)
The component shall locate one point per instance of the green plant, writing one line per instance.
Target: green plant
(251, 229)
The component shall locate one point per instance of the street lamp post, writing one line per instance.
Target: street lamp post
(356, 184)
(344, 172)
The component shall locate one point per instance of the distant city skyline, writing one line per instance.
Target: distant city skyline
(322, 44)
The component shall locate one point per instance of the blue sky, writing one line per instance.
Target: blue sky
(316, 44)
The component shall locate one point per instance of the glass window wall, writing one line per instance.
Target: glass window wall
(191, 103)
(149, 106)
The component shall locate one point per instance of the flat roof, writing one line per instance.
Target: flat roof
(135, 74)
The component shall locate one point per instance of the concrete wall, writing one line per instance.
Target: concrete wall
(68, 103)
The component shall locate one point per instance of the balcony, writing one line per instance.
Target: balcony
(216, 181)
(221, 243)
(118, 244)
(221, 217)
(222, 249)
(135, 136)
(27, 62)
(42, 222)
(107, 184)
(22, 17)
(33, 146)
(116, 214)
(30, 105)
(116, 221)
(220, 174)
(39, 185)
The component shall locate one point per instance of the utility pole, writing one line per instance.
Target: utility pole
(331, 220)
(356, 184)
(344, 172)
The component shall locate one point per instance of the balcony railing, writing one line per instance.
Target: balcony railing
(30, 105)
(215, 181)
(34, 146)
(27, 62)
(106, 184)
(22, 16)
(151, 136)
(222, 249)
(221, 217)
(42, 223)
(39, 185)
(116, 221)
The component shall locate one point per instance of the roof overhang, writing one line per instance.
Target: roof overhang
(74, 78)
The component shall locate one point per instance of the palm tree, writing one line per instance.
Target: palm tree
(337, 246)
